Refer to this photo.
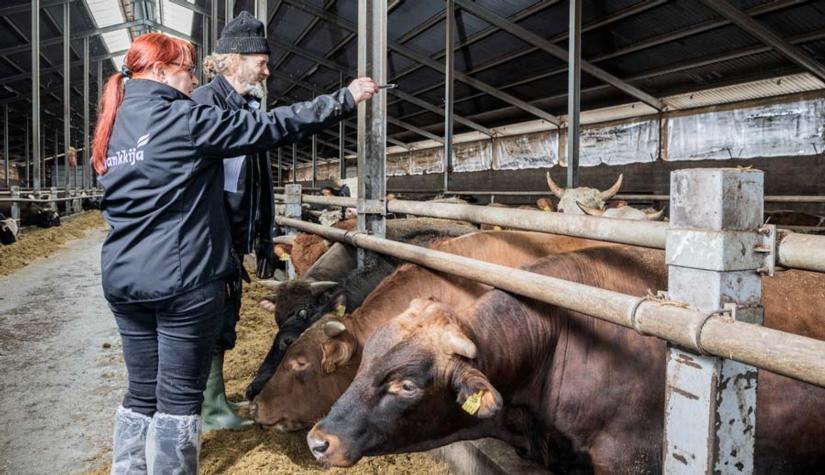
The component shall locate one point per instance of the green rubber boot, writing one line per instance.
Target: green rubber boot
(217, 412)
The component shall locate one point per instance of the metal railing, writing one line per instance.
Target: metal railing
(793, 250)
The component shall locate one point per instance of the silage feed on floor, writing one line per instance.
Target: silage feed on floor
(34, 243)
(255, 451)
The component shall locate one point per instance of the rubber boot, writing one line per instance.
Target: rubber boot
(129, 442)
(173, 445)
(217, 412)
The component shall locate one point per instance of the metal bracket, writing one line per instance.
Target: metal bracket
(767, 247)
(365, 206)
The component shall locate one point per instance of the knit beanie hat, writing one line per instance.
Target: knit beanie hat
(243, 35)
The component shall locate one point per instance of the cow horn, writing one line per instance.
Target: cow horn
(334, 328)
(271, 284)
(608, 193)
(556, 189)
(461, 345)
(655, 216)
(322, 286)
(590, 211)
(285, 239)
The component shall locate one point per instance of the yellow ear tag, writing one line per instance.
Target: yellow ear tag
(473, 403)
(497, 228)
(340, 309)
(546, 209)
(284, 257)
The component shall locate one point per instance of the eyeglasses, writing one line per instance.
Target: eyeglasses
(189, 68)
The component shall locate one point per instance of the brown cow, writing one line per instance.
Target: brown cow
(323, 363)
(570, 391)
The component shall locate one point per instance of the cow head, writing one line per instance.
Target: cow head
(293, 298)
(589, 197)
(314, 372)
(623, 212)
(296, 323)
(416, 386)
(8, 230)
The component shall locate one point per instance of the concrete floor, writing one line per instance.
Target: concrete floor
(61, 370)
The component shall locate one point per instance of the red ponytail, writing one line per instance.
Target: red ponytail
(145, 51)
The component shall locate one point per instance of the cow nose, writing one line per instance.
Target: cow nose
(318, 446)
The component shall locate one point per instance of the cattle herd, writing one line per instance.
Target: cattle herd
(397, 358)
(37, 214)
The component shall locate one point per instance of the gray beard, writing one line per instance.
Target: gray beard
(256, 90)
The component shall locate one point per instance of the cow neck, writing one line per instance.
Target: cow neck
(512, 337)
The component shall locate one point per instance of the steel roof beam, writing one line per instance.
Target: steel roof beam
(427, 61)
(548, 47)
(646, 44)
(396, 92)
(24, 8)
(313, 88)
(765, 35)
(52, 69)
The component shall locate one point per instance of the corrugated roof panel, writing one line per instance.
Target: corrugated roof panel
(178, 17)
(781, 86)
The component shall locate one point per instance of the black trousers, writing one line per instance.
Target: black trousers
(167, 346)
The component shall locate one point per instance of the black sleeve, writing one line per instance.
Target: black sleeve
(223, 133)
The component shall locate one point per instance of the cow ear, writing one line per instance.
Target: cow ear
(337, 351)
(476, 394)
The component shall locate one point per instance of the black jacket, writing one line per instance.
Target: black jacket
(164, 185)
(249, 206)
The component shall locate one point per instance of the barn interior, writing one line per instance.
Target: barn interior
(483, 105)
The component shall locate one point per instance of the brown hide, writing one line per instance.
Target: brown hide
(308, 248)
(283, 402)
(595, 390)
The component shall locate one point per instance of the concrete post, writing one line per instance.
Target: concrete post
(53, 197)
(15, 206)
(710, 402)
(292, 209)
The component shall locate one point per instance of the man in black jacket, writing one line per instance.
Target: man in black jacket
(239, 67)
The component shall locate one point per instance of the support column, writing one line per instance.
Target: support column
(574, 93)
(314, 161)
(449, 70)
(86, 148)
(56, 179)
(372, 122)
(342, 159)
(27, 153)
(294, 163)
(6, 145)
(214, 12)
(35, 42)
(67, 118)
(280, 166)
(713, 257)
(228, 11)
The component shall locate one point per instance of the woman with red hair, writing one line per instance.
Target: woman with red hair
(168, 253)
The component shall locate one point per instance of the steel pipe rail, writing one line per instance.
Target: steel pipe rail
(797, 251)
(801, 251)
(620, 196)
(783, 353)
(46, 200)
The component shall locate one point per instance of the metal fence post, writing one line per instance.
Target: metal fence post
(372, 122)
(713, 254)
(292, 209)
(15, 206)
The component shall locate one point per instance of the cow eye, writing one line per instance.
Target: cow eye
(407, 388)
(302, 313)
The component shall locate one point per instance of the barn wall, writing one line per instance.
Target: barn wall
(785, 137)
